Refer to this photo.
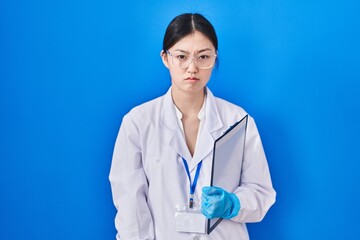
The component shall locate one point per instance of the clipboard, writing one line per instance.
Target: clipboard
(228, 155)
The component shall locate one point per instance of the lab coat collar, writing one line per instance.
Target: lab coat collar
(206, 138)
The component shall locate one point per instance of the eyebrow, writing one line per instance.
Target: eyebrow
(202, 50)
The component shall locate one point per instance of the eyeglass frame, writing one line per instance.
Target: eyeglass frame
(172, 56)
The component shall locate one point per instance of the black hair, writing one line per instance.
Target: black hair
(185, 24)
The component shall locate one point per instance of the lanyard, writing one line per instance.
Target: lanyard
(192, 185)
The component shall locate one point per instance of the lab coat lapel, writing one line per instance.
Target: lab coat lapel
(206, 138)
(204, 145)
(209, 132)
(170, 122)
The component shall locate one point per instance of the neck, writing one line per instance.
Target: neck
(188, 103)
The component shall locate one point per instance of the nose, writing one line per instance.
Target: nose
(192, 68)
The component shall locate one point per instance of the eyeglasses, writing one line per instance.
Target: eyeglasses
(202, 61)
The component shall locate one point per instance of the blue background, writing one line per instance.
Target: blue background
(69, 71)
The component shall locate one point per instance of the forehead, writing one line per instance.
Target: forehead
(193, 43)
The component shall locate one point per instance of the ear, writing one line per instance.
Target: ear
(164, 58)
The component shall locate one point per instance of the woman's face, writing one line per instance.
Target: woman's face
(191, 79)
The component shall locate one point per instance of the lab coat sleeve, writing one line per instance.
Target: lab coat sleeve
(256, 193)
(129, 185)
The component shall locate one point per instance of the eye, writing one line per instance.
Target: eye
(203, 57)
(181, 57)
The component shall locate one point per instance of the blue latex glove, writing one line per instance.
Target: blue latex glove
(218, 203)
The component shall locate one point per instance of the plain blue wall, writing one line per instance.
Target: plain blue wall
(69, 71)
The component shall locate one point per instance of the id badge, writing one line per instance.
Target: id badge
(189, 220)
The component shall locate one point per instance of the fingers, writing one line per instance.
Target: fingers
(211, 190)
(210, 194)
(211, 201)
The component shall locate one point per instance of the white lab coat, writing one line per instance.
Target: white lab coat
(148, 178)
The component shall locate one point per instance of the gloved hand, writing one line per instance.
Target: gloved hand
(218, 203)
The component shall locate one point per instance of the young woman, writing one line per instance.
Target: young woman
(162, 162)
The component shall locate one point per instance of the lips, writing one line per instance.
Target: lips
(192, 79)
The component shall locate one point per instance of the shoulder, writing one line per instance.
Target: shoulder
(228, 106)
(229, 109)
(146, 109)
(224, 106)
(231, 113)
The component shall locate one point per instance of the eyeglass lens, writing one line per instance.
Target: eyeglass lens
(204, 61)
